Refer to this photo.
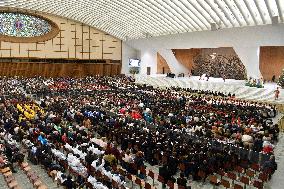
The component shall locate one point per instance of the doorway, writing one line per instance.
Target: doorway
(148, 70)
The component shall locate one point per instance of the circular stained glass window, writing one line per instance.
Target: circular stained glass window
(26, 27)
(22, 25)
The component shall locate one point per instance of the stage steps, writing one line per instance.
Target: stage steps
(230, 86)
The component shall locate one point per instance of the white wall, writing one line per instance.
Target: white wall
(175, 66)
(127, 53)
(250, 58)
(148, 59)
(245, 41)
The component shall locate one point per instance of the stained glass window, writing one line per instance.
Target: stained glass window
(23, 25)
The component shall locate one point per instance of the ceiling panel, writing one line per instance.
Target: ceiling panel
(133, 19)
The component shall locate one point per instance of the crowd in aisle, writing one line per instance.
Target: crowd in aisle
(95, 123)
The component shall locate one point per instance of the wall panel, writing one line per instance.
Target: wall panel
(162, 65)
(30, 69)
(271, 61)
(186, 56)
(74, 40)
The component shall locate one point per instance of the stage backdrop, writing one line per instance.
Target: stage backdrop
(217, 62)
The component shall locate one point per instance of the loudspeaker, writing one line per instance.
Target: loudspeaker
(213, 26)
(275, 20)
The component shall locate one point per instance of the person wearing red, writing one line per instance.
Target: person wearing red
(277, 92)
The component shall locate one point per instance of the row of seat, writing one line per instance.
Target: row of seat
(9, 178)
(32, 176)
(241, 177)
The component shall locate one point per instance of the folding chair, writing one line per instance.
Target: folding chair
(201, 174)
(239, 169)
(161, 179)
(255, 167)
(170, 184)
(37, 183)
(221, 173)
(258, 184)
(250, 173)
(122, 172)
(245, 180)
(152, 175)
(7, 174)
(225, 183)
(9, 179)
(24, 164)
(13, 184)
(27, 169)
(147, 185)
(42, 186)
(138, 182)
(237, 186)
(213, 180)
(232, 176)
(129, 177)
(4, 170)
(263, 176)
(142, 170)
(114, 184)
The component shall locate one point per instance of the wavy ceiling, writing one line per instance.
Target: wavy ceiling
(133, 19)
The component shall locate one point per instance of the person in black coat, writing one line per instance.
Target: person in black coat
(69, 183)
(181, 181)
(164, 172)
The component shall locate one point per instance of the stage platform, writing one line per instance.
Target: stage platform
(232, 86)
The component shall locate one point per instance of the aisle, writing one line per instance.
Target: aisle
(277, 181)
(22, 179)
(43, 176)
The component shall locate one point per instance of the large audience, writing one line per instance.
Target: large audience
(93, 123)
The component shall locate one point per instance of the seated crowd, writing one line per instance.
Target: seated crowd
(93, 124)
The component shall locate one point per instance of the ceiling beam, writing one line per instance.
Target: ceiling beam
(269, 9)
(174, 6)
(242, 12)
(225, 12)
(204, 8)
(250, 12)
(127, 8)
(217, 13)
(279, 10)
(163, 14)
(158, 20)
(199, 11)
(259, 11)
(235, 15)
(192, 20)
